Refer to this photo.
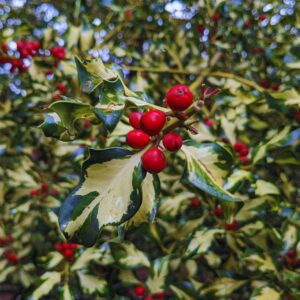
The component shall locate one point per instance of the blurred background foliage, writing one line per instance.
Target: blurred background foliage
(249, 49)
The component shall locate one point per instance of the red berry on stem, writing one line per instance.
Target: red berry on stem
(179, 97)
(153, 160)
(275, 86)
(61, 88)
(297, 115)
(238, 146)
(219, 211)
(34, 193)
(58, 52)
(172, 141)
(44, 187)
(232, 226)
(216, 16)
(153, 121)
(137, 139)
(248, 24)
(291, 254)
(195, 203)
(160, 295)
(139, 291)
(148, 298)
(264, 83)
(201, 28)
(87, 124)
(262, 17)
(244, 160)
(209, 122)
(135, 119)
(128, 15)
(244, 151)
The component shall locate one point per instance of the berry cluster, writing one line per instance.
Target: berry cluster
(62, 90)
(6, 240)
(28, 48)
(243, 152)
(43, 191)
(58, 52)
(11, 257)
(24, 51)
(275, 86)
(149, 125)
(66, 249)
(140, 292)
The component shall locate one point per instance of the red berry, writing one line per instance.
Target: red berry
(248, 24)
(216, 16)
(153, 160)
(244, 151)
(11, 257)
(128, 15)
(172, 141)
(137, 139)
(139, 291)
(36, 45)
(58, 246)
(179, 97)
(58, 52)
(297, 115)
(87, 124)
(291, 254)
(275, 86)
(67, 252)
(44, 187)
(244, 160)
(218, 211)
(24, 52)
(195, 203)
(153, 121)
(135, 119)
(262, 17)
(61, 88)
(160, 295)
(148, 298)
(201, 28)
(232, 226)
(209, 122)
(34, 193)
(21, 45)
(73, 246)
(238, 146)
(264, 83)
(57, 96)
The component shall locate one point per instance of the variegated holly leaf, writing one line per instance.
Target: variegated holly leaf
(128, 256)
(147, 211)
(207, 165)
(201, 241)
(277, 139)
(158, 273)
(60, 122)
(237, 179)
(222, 287)
(92, 284)
(180, 294)
(265, 293)
(65, 293)
(92, 72)
(44, 285)
(109, 192)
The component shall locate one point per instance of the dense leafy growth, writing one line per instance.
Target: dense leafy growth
(150, 150)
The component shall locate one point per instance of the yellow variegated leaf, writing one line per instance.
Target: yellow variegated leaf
(91, 283)
(48, 281)
(109, 193)
(266, 293)
(264, 188)
(202, 240)
(223, 287)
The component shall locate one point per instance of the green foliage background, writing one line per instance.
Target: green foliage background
(186, 250)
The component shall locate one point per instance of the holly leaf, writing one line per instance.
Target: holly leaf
(207, 165)
(109, 192)
(128, 256)
(92, 284)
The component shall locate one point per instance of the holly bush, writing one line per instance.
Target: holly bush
(149, 150)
